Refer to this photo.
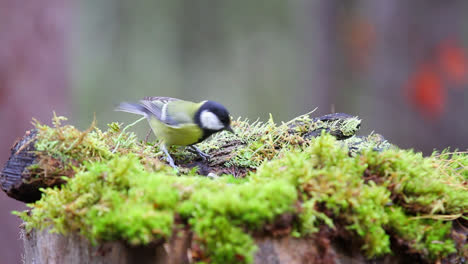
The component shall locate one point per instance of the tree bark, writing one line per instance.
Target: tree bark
(42, 247)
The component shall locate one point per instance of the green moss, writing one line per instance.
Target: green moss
(119, 199)
(219, 217)
(67, 143)
(264, 141)
(63, 149)
(427, 185)
(100, 203)
(260, 142)
(125, 193)
(325, 174)
(424, 235)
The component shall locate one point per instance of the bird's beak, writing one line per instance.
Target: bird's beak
(229, 128)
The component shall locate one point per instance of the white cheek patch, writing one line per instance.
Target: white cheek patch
(210, 121)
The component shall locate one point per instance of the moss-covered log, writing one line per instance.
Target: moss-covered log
(277, 193)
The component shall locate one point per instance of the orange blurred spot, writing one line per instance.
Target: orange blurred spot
(452, 59)
(426, 91)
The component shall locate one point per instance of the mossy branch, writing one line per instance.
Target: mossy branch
(288, 180)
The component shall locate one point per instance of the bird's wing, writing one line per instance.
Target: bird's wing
(171, 111)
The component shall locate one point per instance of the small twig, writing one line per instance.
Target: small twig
(147, 136)
(25, 145)
(451, 153)
(438, 217)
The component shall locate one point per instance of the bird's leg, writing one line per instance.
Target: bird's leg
(168, 157)
(198, 152)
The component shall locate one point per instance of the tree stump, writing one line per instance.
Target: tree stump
(172, 223)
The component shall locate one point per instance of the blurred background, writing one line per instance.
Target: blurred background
(399, 65)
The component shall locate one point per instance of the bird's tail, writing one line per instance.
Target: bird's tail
(133, 108)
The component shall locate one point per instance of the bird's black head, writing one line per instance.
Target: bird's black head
(212, 117)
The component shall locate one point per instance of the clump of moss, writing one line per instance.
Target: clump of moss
(62, 149)
(374, 142)
(427, 185)
(430, 237)
(65, 142)
(219, 217)
(258, 141)
(120, 200)
(93, 202)
(326, 175)
(119, 194)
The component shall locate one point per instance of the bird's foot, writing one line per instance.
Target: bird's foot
(171, 162)
(169, 159)
(198, 152)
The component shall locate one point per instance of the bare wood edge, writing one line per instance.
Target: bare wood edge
(44, 247)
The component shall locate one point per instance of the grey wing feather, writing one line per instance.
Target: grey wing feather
(132, 108)
(157, 108)
(150, 105)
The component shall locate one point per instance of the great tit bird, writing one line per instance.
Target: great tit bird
(179, 122)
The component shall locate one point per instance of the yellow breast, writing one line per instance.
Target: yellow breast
(184, 135)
